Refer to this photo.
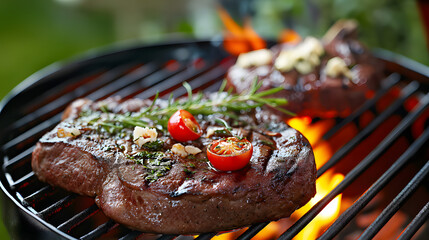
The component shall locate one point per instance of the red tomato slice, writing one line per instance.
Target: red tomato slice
(183, 126)
(229, 154)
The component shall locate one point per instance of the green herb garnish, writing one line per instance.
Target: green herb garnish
(225, 103)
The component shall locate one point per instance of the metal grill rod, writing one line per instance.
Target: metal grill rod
(390, 81)
(359, 204)
(125, 80)
(167, 237)
(417, 222)
(65, 99)
(24, 180)
(147, 76)
(68, 225)
(206, 236)
(394, 205)
(32, 133)
(181, 73)
(172, 81)
(66, 201)
(252, 231)
(338, 155)
(25, 154)
(38, 195)
(358, 170)
(213, 73)
(100, 230)
(132, 235)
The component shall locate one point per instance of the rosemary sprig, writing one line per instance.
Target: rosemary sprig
(224, 103)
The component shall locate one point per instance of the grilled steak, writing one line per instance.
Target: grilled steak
(326, 78)
(151, 189)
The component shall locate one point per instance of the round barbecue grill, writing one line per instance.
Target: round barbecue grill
(36, 210)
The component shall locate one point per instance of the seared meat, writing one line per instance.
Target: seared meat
(154, 190)
(313, 84)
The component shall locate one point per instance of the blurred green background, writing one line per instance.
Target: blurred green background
(35, 34)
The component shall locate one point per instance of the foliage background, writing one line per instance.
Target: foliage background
(35, 34)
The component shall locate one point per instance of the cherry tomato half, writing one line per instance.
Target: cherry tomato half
(183, 126)
(229, 154)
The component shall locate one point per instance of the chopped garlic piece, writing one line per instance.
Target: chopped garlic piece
(192, 150)
(144, 135)
(212, 130)
(255, 58)
(183, 151)
(68, 132)
(337, 67)
(303, 57)
(179, 149)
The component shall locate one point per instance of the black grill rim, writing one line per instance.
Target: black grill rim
(103, 53)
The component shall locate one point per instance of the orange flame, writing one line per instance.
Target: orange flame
(289, 36)
(324, 185)
(328, 181)
(239, 39)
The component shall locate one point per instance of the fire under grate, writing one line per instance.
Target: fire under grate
(141, 72)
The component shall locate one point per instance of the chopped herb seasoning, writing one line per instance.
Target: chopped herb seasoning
(156, 145)
(143, 155)
(155, 163)
(189, 172)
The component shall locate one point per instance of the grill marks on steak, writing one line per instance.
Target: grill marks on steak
(191, 197)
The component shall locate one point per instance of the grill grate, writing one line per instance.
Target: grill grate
(141, 72)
